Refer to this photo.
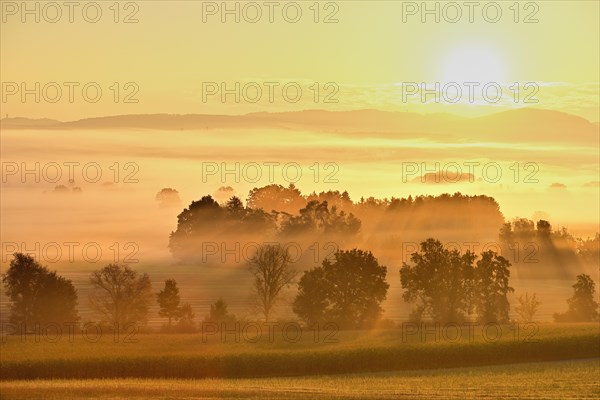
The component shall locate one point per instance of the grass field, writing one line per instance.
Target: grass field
(550, 380)
(189, 356)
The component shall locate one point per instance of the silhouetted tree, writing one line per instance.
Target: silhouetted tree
(347, 290)
(201, 216)
(168, 301)
(168, 197)
(186, 319)
(588, 250)
(544, 229)
(537, 250)
(272, 272)
(312, 299)
(207, 219)
(440, 281)
(235, 207)
(121, 296)
(582, 306)
(311, 218)
(275, 212)
(38, 295)
(527, 307)
(219, 313)
(506, 235)
(491, 288)
(276, 198)
(341, 201)
(435, 212)
(316, 218)
(523, 229)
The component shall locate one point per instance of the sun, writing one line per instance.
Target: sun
(473, 63)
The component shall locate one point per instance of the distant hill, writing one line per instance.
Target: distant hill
(533, 124)
(522, 125)
(19, 122)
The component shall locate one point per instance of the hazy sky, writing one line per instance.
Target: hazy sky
(170, 55)
(183, 57)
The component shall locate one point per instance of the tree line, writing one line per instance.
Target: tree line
(348, 288)
(206, 218)
(275, 213)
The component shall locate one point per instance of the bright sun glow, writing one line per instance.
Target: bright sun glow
(473, 64)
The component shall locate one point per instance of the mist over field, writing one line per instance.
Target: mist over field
(120, 164)
(299, 200)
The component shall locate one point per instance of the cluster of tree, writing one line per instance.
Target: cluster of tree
(416, 213)
(208, 219)
(347, 289)
(205, 218)
(278, 213)
(589, 250)
(127, 299)
(62, 189)
(478, 214)
(533, 248)
(317, 218)
(559, 253)
(289, 200)
(447, 285)
(276, 198)
(120, 297)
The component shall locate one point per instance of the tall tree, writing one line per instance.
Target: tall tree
(440, 281)
(272, 272)
(491, 288)
(121, 296)
(582, 306)
(312, 301)
(168, 301)
(37, 295)
(347, 290)
(235, 206)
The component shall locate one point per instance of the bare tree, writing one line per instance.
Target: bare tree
(527, 307)
(272, 272)
(121, 295)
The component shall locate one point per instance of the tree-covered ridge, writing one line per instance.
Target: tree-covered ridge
(279, 213)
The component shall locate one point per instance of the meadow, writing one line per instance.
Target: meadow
(549, 380)
(246, 355)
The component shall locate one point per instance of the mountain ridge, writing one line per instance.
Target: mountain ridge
(516, 125)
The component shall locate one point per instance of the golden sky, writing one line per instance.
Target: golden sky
(175, 57)
(170, 54)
